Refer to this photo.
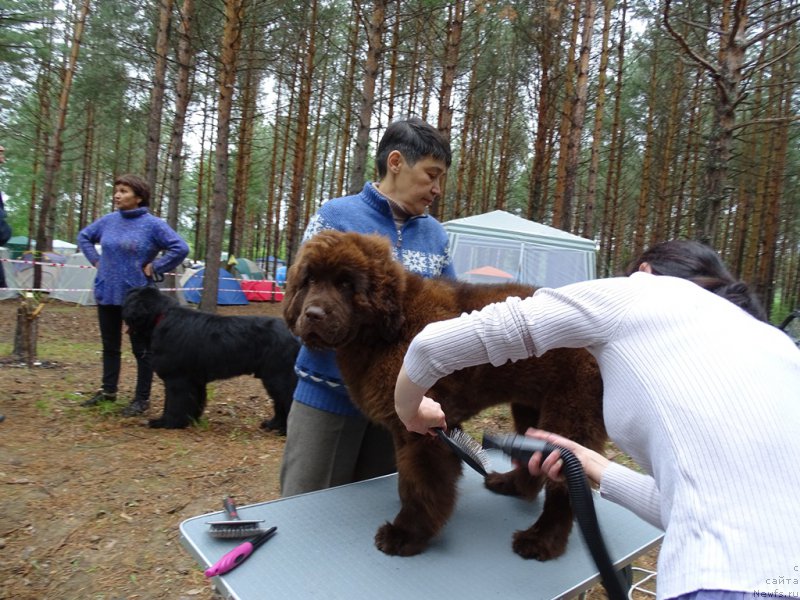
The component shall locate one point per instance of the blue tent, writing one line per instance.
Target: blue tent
(229, 292)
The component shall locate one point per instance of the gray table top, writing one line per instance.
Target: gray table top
(324, 547)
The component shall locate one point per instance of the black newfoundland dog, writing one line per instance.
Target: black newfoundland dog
(191, 348)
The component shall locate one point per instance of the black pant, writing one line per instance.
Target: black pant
(110, 319)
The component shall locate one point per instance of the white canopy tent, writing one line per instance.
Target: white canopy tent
(75, 281)
(532, 253)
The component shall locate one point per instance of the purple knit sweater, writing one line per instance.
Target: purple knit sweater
(129, 239)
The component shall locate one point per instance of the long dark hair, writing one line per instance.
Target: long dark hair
(699, 264)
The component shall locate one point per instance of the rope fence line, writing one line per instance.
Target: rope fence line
(163, 289)
(48, 290)
(56, 264)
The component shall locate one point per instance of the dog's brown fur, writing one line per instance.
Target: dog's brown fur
(346, 292)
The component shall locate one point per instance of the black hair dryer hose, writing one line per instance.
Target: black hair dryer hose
(580, 495)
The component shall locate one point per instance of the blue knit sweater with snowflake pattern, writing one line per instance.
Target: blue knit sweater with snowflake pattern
(420, 245)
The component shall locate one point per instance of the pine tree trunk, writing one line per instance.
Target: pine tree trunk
(374, 51)
(231, 40)
(249, 92)
(644, 208)
(545, 114)
(44, 231)
(293, 215)
(561, 215)
(157, 94)
(588, 227)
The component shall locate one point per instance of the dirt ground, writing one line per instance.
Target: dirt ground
(92, 501)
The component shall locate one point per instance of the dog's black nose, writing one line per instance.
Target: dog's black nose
(314, 313)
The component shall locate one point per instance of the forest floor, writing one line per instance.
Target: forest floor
(92, 501)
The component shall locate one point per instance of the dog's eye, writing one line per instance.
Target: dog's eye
(344, 284)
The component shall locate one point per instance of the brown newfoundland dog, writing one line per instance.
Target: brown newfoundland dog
(345, 291)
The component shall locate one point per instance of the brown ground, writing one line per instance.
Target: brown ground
(91, 501)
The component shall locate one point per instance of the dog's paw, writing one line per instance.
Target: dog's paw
(502, 483)
(541, 543)
(396, 541)
(273, 425)
(514, 483)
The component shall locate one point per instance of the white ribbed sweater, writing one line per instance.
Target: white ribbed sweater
(699, 393)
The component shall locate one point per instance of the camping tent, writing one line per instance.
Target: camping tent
(24, 271)
(75, 281)
(531, 252)
(65, 248)
(17, 245)
(249, 269)
(229, 291)
(8, 269)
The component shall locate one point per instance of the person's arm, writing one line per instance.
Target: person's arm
(417, 412)
(175, 250)
(635, 491)
(87, 238)
(594, 464)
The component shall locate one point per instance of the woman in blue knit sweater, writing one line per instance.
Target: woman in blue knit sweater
(328, 441)
(130, 239)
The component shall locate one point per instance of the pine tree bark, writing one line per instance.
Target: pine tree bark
(588, 227)
(249, 93)
(231, 42)
(545, 114)
(183, 95)
(44, 230)
(293, 234)
(577, 113)
(157, 94)
(643, 206)
(561, 208)
(449, 69)
(375, 28)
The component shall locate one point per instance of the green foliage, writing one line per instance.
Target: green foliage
(110, 101)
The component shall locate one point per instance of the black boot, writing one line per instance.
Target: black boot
(99, 397)
(135, 408)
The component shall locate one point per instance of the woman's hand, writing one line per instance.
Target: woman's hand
(593, 462)
(429, 416)
(418, 413)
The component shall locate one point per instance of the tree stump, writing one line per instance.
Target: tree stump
(27, 333)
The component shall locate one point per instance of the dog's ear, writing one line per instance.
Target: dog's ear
(143, 306)
(292, 296)
(387, 286)
(135, 310)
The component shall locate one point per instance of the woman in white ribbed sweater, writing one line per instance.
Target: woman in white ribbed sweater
(698, 390)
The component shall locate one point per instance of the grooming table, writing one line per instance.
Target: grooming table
(324, 547)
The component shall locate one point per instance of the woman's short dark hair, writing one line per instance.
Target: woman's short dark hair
(414, 139)
(699, 264)
(138, 185)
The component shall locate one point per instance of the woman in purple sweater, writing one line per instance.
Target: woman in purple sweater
(130, 239)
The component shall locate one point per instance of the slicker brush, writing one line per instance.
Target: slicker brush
(234, 527)
(467, 449)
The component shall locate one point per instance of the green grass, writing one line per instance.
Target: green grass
(60, 350)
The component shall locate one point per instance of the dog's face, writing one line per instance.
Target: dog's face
(143, 306)
(343, 287)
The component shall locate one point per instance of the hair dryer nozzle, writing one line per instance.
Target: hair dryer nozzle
(516, 446)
